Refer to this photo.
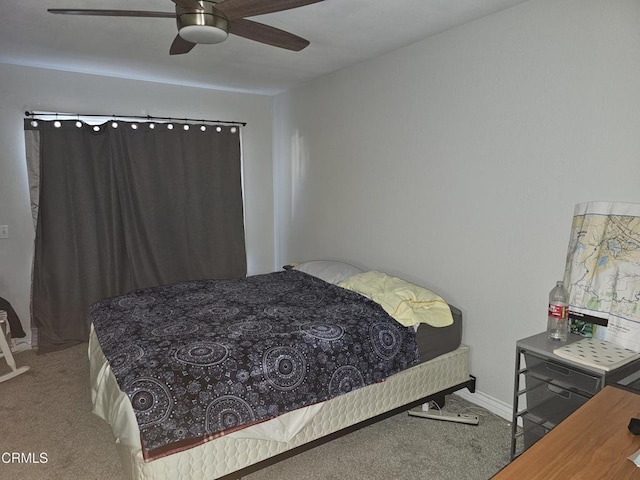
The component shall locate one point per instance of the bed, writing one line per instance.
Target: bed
(245, 432)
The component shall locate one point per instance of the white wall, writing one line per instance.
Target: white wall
(456, 162)
(24, 88)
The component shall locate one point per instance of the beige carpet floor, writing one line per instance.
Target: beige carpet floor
(45, 414)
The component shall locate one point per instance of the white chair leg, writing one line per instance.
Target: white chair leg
(8, 356)
(13, 373)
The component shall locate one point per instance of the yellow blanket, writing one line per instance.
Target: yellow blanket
(407, 303)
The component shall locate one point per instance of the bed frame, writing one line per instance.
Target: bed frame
(438, 398)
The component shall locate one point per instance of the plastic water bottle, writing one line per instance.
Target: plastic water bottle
(558, 322)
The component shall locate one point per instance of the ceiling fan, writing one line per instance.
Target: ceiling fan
(207, 21)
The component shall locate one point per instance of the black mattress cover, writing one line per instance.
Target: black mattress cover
(435, 341)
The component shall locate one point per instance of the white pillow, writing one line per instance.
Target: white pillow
(327, 270)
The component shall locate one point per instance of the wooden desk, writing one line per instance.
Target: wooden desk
(592, 443)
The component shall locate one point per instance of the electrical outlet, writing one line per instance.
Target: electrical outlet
(4, 231)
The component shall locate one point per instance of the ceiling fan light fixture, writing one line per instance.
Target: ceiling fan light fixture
(203, 34)
(202, 26)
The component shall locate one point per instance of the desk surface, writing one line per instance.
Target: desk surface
(592, 443)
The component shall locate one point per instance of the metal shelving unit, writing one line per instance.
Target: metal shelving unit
(549, 388)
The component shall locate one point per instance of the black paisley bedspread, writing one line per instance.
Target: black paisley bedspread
(203, 358)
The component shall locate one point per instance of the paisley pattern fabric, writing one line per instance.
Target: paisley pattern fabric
(203, 358)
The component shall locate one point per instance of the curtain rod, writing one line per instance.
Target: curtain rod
(148, 118)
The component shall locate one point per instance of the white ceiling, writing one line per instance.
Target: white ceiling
(341, 32)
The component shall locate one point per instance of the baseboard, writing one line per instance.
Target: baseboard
(492, 404)
(21, 345)
(16, 345)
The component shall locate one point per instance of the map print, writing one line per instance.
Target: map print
(602, 273)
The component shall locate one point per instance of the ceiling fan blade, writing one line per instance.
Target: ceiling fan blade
(248, 8)
(188, 4)
(111, 13)
(180, 46)
(266, 34)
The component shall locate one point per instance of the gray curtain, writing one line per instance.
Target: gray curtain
(122, 209)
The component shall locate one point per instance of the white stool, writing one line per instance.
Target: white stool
(5, 351)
